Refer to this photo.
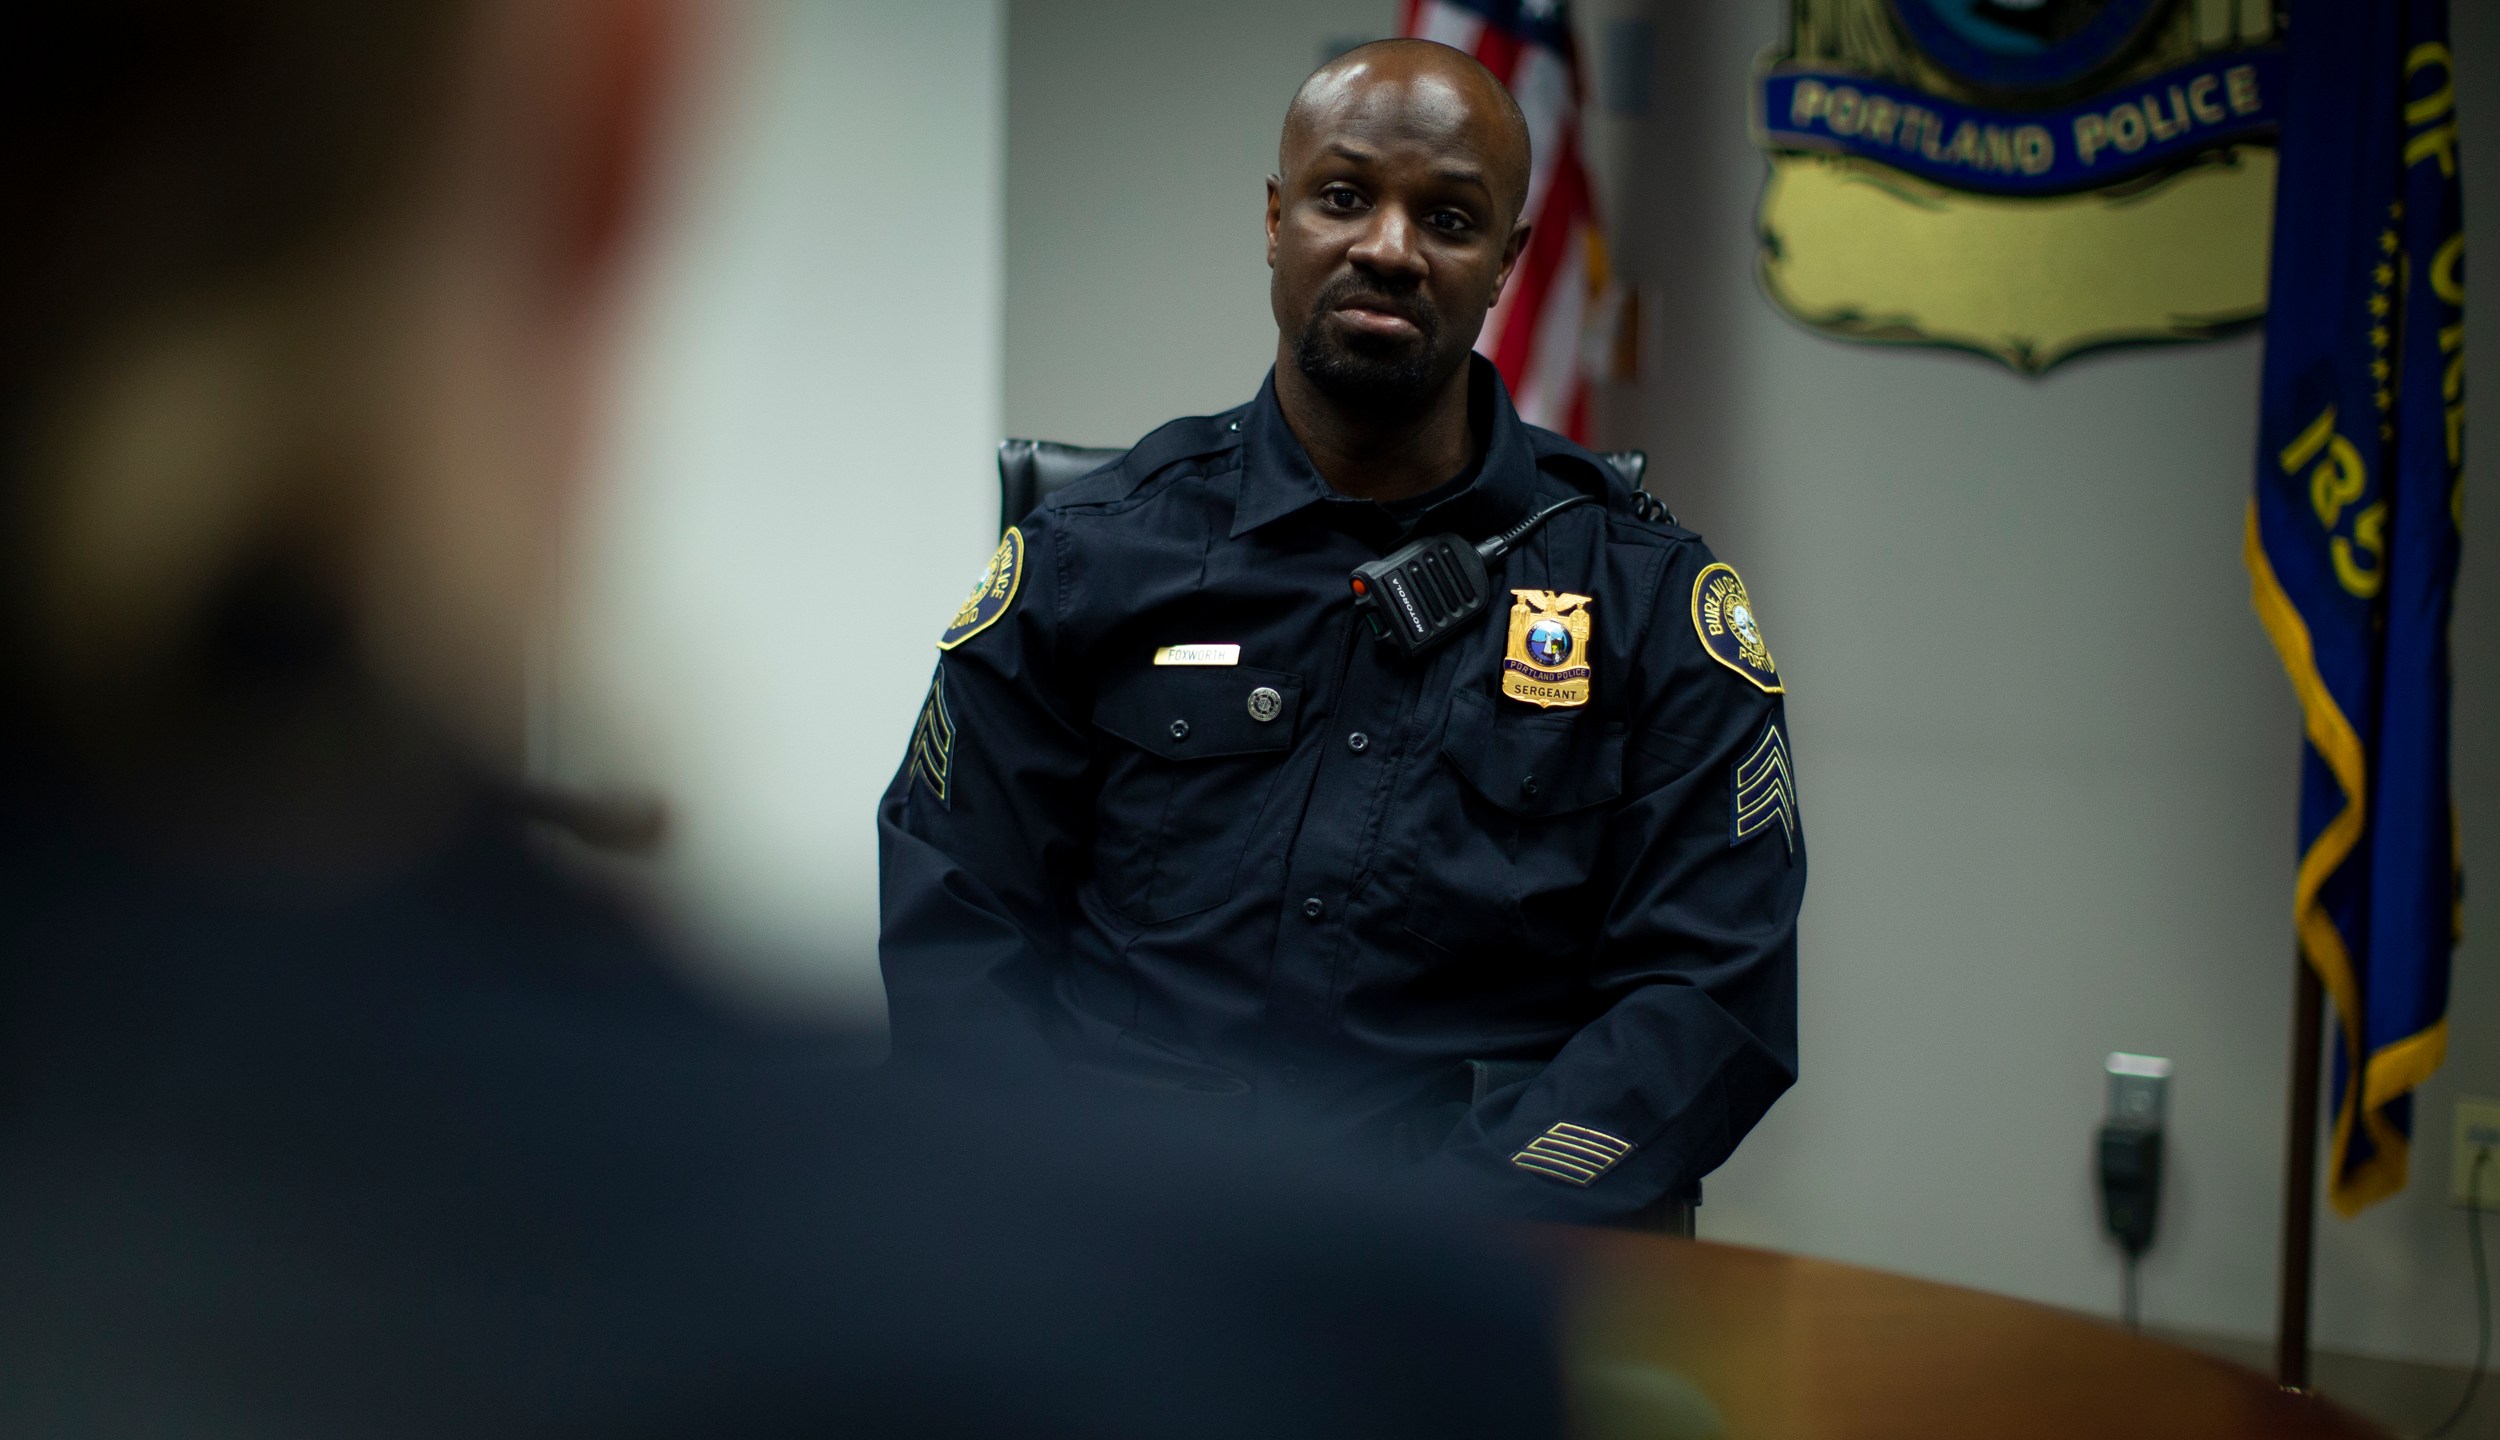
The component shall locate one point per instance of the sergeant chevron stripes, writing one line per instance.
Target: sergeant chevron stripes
(1573, 1154)
(933, 740)
(1765, 787)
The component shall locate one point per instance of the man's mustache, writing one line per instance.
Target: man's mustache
(1355, 290)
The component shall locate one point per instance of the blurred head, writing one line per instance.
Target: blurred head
(302, 308)
(1393, 220)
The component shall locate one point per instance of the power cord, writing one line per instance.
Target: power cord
(2482, 1295)
(2130, 1169)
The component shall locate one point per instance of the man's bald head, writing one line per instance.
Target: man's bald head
(1393, 222)
(1430, 85)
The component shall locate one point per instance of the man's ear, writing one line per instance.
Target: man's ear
(1517, 246)
(1275, 214)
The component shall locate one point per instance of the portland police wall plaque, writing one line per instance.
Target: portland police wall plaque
(2029, 179)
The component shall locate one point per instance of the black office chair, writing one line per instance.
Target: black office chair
(1031, 471)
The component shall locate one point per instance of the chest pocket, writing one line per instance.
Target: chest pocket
(1195, 752)
(1509, 828)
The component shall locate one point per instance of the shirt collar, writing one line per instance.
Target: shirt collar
(1278, 479)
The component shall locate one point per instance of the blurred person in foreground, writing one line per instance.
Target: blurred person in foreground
(324, 1108)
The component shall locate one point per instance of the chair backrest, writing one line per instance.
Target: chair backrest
(1031, 471)
(1632, 465)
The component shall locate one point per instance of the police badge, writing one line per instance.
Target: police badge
(1723, 617)
(1548, 663)
(991, 597)
(2029, 179)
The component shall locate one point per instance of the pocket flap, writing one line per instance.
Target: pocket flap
(1188, 712)
(1533, 763)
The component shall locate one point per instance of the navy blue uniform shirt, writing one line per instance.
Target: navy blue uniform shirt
(1321, 878)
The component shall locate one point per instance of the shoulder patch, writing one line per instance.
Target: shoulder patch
(933, 740)
(1723, 617)
(993, 596)
(1763, 791)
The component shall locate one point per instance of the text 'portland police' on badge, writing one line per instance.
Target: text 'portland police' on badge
(1548, 663)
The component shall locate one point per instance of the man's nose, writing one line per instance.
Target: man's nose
(1389, 244)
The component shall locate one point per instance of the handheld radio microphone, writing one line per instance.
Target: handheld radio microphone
(1426, 590)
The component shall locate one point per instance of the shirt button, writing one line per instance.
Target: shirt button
(1180, 729)
(1358, 742)
(1314, 908)
(1527, 786)
(1289, 1075)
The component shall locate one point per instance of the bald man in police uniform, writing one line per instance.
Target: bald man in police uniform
(1520, 905)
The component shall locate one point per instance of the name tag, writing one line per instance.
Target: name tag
(1198, 655)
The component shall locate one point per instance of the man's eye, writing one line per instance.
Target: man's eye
(1449, 220)
(1338, 197)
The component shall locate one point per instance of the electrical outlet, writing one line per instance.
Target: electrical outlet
(2478, 1128)
(2139, 1089)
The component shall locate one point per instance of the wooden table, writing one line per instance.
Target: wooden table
(1780, 1346)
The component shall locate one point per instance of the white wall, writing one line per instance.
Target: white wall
(1139, 135)
(2047, 757)
(2049, 767)
(800, 488)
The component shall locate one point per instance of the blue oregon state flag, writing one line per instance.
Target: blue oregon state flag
(2352, 541)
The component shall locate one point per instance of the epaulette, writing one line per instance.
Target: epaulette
(1184, 439)
(1119, 478)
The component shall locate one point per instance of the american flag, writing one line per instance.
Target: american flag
(1536, 334)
